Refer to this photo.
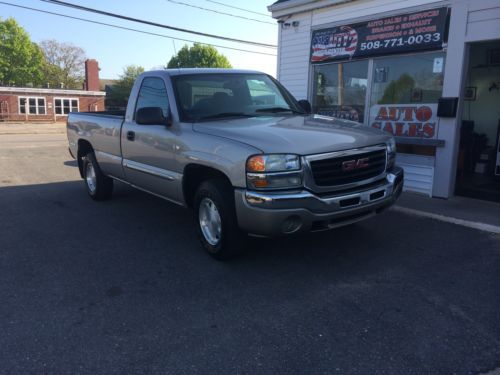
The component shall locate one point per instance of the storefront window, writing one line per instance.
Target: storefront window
(405, 92)
(340, 90)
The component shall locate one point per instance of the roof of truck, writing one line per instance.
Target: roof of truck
(183, 71)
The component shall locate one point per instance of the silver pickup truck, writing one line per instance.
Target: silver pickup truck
(238, 149)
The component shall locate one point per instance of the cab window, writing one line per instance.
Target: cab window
(153, 93)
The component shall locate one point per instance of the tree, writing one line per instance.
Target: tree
(120, 91)
(198, 56)
(64, 64)
(398, 91)
(21, 59)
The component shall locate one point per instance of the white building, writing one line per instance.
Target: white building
(403, 65)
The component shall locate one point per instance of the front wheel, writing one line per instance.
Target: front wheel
(217, 226)
(99, 186)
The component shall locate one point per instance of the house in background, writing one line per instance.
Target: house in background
(52, 104)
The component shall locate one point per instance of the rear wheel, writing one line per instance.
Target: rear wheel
(99, 186)
(216, 220)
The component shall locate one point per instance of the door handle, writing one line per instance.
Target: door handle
(131, 135)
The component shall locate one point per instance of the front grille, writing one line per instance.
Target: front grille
(329, 172)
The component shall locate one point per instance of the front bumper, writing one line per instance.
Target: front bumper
(272, 214)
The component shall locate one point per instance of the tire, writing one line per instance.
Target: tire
(99, 186)
(217, 225)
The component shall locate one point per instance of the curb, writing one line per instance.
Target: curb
(465, 223)
(31, 132)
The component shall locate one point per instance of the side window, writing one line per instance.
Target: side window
(153, 93)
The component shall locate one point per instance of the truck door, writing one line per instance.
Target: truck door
(149, 150)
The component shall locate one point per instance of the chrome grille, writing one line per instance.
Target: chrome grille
(330, 171)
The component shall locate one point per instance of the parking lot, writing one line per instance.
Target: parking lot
(123, 287)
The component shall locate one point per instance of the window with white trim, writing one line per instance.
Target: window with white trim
(63, 106)
(35, 105)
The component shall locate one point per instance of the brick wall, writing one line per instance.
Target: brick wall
(10, 111)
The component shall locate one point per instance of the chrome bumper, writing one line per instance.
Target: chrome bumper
(271, 214)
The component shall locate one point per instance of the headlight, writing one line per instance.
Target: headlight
(274, 171)
(391, 146)
(391, 152)
(273, 163)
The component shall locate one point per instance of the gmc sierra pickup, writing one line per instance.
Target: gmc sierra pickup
(238, 149)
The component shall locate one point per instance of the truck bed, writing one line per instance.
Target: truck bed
(105, 113)
(102, 130)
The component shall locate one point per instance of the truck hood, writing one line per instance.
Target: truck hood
(296, 134)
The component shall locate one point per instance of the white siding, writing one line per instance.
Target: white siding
(293, 68)
(419, 173)
(483, 20)
(365, 9)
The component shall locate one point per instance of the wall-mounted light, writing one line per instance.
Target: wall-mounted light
(285, 24)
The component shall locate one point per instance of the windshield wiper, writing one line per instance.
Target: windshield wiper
(277, 110)
(225, 114)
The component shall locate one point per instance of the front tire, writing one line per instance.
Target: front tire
(99, 186)
(217, 225)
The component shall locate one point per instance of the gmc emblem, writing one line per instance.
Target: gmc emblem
(351, 165)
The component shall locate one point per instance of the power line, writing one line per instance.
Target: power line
(109, 14)
(132, 29)
(219, 12)
(231, 6)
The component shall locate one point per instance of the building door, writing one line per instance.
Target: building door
(478, 165)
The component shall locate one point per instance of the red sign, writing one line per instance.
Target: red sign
(406, 120)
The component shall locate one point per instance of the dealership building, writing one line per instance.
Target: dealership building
(426, 71)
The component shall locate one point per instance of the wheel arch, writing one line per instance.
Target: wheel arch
(84, 147)
(194, 175)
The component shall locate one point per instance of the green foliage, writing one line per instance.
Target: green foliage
(21, 60)
(64, 64)
(120, 91)
(198, 56)
(398, 91)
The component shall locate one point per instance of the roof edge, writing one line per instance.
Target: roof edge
(296, 6)
(25, 90)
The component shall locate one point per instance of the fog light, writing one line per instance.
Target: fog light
(291, 224)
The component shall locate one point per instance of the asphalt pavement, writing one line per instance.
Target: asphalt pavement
(123, 287)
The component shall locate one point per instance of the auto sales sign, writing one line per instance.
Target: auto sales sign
(403, 33)
(406, 120)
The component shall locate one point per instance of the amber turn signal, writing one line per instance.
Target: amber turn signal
(256, 163)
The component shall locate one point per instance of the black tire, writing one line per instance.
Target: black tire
(99, 187)
(231, 241)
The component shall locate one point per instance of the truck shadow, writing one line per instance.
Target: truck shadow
(140, 217)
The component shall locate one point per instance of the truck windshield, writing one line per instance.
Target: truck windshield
(203, 97)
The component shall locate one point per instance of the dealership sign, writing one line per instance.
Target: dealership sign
(406, 120)
(404, 33)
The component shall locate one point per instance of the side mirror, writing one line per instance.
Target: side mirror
(305, 105)
(152, 116)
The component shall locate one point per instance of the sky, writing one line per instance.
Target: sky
(115, 48)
